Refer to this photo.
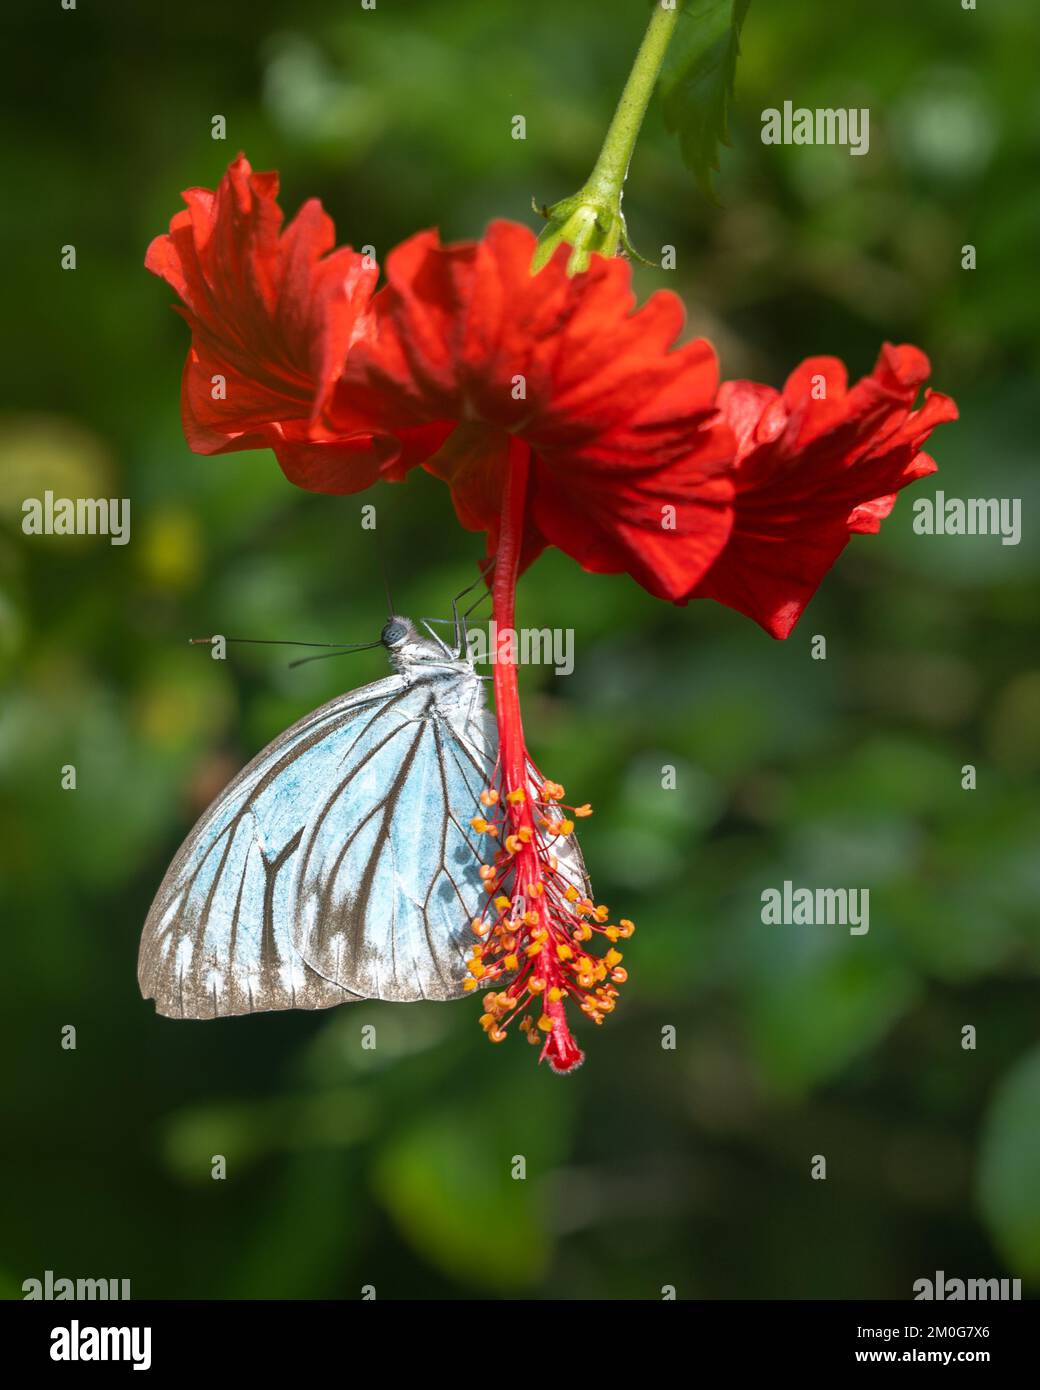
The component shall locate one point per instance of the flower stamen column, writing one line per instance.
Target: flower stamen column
(539, 915)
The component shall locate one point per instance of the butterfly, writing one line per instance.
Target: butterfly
(340, 863)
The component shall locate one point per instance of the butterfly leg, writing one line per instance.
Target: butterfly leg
(457, 619)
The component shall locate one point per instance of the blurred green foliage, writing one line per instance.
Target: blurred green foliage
(649, 1167)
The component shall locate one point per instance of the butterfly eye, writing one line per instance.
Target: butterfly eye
(394, 632)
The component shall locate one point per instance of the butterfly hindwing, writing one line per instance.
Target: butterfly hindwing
(387, 879)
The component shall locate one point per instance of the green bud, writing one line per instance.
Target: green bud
(585, 222)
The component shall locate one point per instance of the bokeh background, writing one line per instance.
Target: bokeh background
(649, 1167)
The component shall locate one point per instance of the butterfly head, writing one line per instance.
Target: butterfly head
(410, 649)
(397, 632)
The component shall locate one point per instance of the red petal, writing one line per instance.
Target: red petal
(811, 471)
(271, 313)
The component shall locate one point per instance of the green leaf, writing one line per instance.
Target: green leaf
(1009, 1162)
(697, 81)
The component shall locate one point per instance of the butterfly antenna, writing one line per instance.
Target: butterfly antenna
(323, 656)
(281, 642)
(386, 585)
(336, 648)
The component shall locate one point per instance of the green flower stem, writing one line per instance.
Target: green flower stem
(592, 220)
(611, 168)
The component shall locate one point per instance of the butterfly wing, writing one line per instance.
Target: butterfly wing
(387, 879)
(218, 937)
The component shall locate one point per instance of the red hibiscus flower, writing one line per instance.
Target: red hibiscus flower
(470, 360)
(815, 463)
(272, 318)
(461, 352)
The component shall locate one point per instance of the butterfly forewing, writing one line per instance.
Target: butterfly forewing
(338, 865)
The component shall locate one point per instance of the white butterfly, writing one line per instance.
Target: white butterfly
(340, 864)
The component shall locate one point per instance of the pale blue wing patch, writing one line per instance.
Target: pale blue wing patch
(218, 938)
(387, 879)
